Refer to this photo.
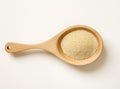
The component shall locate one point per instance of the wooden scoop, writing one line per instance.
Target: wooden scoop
(53, 46)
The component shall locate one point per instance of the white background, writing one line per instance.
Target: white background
(34, 21)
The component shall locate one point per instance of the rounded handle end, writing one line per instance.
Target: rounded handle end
(8, 47)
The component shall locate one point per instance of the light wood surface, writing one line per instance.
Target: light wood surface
(53, 46)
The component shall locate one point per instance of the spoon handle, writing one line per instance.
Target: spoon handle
(12, 47)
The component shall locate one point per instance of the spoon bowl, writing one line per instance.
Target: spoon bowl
(53, 46)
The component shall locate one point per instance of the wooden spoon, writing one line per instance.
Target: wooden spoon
(53, 46)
